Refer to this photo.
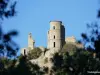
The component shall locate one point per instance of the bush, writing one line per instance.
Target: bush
(70, 48)
(34, 53)
(45, 60)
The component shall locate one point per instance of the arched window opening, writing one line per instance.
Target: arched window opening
(54, 44)
(24, 52)
(53, 27)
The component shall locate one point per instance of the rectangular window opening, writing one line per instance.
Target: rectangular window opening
(24, 52)
(54, 36)
(54, 44)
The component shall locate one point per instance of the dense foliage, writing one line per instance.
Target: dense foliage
(22, 67)
(8, 48)
(34, 53)
(80, 63)
(69, 47)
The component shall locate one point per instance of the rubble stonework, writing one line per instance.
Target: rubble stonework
(55, 41)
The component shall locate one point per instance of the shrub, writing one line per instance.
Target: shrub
(70, 48)
(34, 53)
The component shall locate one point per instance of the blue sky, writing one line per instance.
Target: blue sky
(34, 16)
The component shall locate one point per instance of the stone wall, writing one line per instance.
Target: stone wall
(70, 39)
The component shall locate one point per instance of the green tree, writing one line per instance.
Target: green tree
(8, 48)
(25, 67)
(80, 63)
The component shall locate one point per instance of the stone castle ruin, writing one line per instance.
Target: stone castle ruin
(55, 42)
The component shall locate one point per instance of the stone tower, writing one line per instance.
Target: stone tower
(31, 42)
(56, 35)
